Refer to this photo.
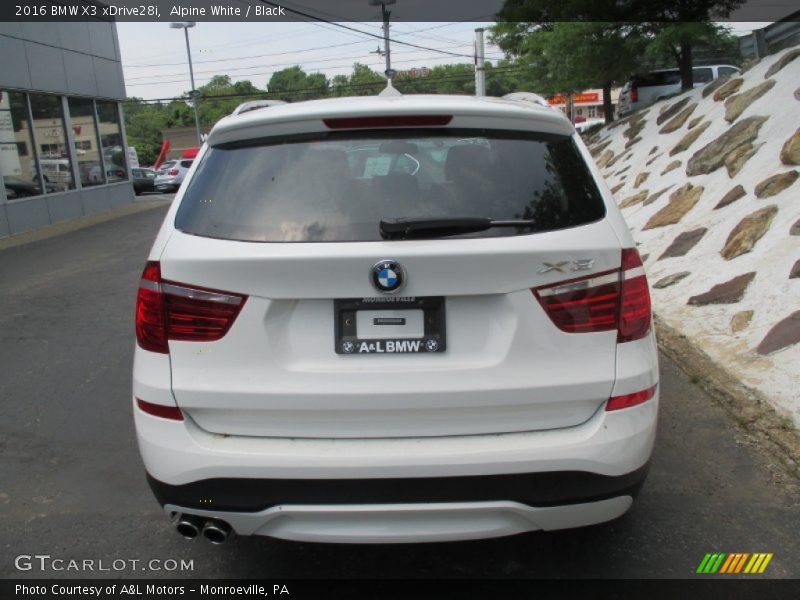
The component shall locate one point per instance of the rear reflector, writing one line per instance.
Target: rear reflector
(388, 121)
(628, 400)
(605, 301)
(159, 410)
(167, 310)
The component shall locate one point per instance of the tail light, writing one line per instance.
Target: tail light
(628, 400)
(173, 172)
(158, 410)
(617, 299)
(166, 310)
(634, 94)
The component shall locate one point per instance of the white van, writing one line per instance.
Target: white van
(640, 91)
(56, 171)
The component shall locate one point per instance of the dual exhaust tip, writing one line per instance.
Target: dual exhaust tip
(215, 531)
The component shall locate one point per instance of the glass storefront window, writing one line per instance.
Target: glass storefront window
(51, 139)
(17, 162)
(111, 141)
(87, 144)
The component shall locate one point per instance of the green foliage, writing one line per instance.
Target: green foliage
(293, 84)
(363, 81)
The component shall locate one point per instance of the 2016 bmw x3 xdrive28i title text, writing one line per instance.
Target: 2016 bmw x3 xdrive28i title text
(394, 319)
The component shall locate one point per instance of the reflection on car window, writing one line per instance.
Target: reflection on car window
(702, 74)
(339, 188)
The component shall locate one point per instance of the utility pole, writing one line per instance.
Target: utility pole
(480, 71)
(386, 50)
(195, 95)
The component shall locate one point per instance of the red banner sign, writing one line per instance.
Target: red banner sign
(584, 98)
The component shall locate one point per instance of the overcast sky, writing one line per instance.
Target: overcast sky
(154, 56)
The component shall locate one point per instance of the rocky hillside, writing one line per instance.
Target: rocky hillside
(707, 182)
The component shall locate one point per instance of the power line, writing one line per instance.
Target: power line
(261, 93)
(370, 34)
(154, 78)
(141, 83)
(198, 62)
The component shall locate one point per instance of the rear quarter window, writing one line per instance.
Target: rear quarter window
(338, 186)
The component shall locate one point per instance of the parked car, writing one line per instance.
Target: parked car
(643, 90)
(143, 180)
(402, 319)
(170, 174)
(19, 188)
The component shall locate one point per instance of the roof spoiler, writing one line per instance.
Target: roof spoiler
(527, 97)
(255, 105)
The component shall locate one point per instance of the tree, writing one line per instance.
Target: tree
(567, 57)
(295, 84)
(677, 41)
(362, 81)
(668, 26)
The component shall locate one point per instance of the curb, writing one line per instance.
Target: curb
(44, 233)
(750, 409)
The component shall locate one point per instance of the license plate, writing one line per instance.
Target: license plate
(389, 325)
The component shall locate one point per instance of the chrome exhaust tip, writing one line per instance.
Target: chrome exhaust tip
(188, 526)
(216, 532)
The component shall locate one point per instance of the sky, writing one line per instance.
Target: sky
(155, 66)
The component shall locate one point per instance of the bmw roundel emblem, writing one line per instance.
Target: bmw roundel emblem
(387, 276)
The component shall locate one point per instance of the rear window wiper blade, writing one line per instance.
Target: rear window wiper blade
(403, 229)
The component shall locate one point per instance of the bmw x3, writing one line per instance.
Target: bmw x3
(394, 319)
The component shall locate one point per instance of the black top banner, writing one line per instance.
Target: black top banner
(401, 10)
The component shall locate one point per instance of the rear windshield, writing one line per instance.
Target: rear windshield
(339, 186)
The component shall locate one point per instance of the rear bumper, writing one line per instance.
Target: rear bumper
(529, 489)
(608, 444)
(405, 523)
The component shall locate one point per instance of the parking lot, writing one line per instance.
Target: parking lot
(72, 484)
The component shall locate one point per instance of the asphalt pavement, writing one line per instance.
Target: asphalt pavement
(72, 485)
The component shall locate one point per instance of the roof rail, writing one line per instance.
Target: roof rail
(255, 105)
(527, 97)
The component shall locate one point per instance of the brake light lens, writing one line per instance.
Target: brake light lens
(628, 400)
(167, 310)
(387, 121)
(159, 410)
(634, 94)
(635, 314)
(618, 299)
(173, 172)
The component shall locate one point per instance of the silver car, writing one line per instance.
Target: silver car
(171, 174)
(640, 91)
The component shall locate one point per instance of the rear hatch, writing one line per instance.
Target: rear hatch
(287, 232)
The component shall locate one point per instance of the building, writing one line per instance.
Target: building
(62, 136)
(588, 104)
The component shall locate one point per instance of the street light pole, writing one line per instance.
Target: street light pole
(195, 96)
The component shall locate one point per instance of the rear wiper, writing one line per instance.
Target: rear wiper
(403, 229)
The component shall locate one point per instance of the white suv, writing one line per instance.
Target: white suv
(170, 175)
(401, 319)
